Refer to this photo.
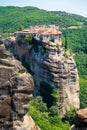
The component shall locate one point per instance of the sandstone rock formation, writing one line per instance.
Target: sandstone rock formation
(49, 64)
(27, 124)
(16, 87)
(80, 120)
(58, 71)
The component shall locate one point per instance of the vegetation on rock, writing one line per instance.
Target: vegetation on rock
(69, 116)
(28, 38)
(44, 117)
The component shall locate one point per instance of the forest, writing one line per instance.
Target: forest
(12, 18)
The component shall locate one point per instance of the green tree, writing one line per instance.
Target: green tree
(66, 44)
(28, 38)
(53, 111)
(69, 116)
(43, 119)
(39, 104)
(83, 93)
(20, 28)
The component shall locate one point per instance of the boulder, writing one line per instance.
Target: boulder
(80, 120)
(81, 117)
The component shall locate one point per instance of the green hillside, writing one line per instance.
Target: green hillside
(11, 18)
(77, 41)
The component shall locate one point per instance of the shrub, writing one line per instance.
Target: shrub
(21, 28)
(66, 44)
(42, 119)
(69, 116)
(57, 46)
(39, 104)
(53, 111)
(28, 38)
(65, 54)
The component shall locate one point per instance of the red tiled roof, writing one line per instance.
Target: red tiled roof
(51, 30)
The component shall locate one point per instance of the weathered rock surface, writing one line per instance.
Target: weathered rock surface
(27, 124)
(80, 120)
(51, 67)
(16, 87)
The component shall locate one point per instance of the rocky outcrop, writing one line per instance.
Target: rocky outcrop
(58, 71)
(27, 124)
(49, 64)
(16, 87)
(80, 120)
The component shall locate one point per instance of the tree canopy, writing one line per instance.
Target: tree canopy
(13, 18)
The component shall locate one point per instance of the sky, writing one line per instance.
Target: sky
(71, 6)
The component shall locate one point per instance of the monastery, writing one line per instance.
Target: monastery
(42, 32)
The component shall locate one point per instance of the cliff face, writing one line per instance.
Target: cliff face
(58, 71)
(48, 63)
(16, 87)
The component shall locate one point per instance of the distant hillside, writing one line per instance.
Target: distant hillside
(11, 18)
(77, 41)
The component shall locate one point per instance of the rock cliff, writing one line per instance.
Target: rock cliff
(47, 62)
(16, 87)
